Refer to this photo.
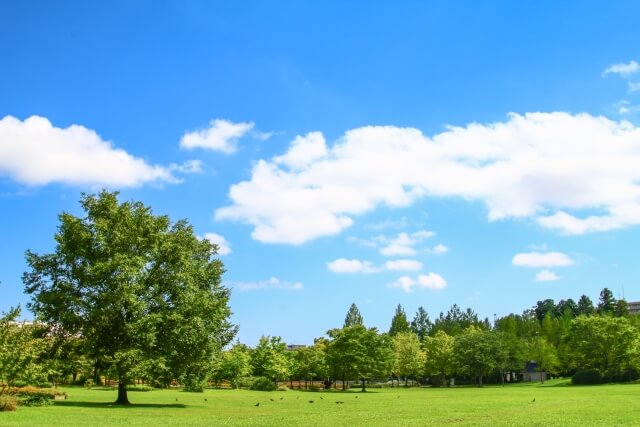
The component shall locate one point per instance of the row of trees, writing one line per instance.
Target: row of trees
(456, 344)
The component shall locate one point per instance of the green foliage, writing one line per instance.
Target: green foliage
(139, 387)
(144, 293)
(440, 355)
(475, 351)
(262, 384)
(609, 344)
(409, 357)
(34, 396)
(399, 322)
(20, 351)
(456, 321)
(353, 316)
(607, 302)
(421, 325)
(271, 359)
(585, 306)
(356, 352)
(233, 365)
(587, 376)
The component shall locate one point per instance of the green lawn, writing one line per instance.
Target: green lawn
(555, 404)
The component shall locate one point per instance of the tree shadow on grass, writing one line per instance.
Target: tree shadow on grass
(113, 405)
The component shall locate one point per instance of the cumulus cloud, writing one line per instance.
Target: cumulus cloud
(550, 167)
(404, 243)
(221, 135)
(439, 249)
(431, 281)
(34, 152)
(404, 265)
(546, 276)
(634, 86)
(223, 246)
(272, 283)
(623, 69)
(539, 259)
(343, 265)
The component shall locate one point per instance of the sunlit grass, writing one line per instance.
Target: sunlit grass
(555, 403)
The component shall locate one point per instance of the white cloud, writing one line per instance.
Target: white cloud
(223, 246)
(190, 166)
(34, 152)
(623, 69)
(303, 151)
(403, 265)
(265, 285)
(403, 244)
(439, 249)
(432, 281)
(221, 135)
(539, 259)
(343, 265)
(546, 276)
(634, 86)
(535, 166)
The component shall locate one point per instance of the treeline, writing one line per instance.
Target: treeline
(590, 343)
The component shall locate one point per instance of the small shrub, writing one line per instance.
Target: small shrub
(587, 376)
(139, 387)
(283, 387)
(89, 383)
(244, 382)
(34, 396)
(262, 384)
(45, 384)
(8, 403)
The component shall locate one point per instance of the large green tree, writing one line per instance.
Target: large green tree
(271, 359)
(475, 351)
(421, 324)
(409, 357)
(357, 352)
(440, 357)
(144, 293)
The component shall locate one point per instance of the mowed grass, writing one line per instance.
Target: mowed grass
(555, 404)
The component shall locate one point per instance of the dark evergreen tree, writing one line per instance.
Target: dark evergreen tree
(607, 303)
(399, 323)
(421, 325)
(353, 317)
(585, 306)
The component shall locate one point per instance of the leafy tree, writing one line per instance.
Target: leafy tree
(311, 361)
(353, 316)
(606, 303)
(585, 306)
(566, 307)
(440, 356)
(409, 357)
(399, 323)
(543, 353)
(508, 353)
(456, 321)
(144, 293)
(475, 351)
(608, 344)
(421, 325)
(271, 359)
(621, 308)
(234, 364)
(543, 307)
(20, 349)
(356, 352)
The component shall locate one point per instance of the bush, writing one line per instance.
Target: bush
(262, 384)
(33, 396)
(587, 376)
(7, 403)
(283, 387)
(89, 383)
(140, 387)
(244, 382)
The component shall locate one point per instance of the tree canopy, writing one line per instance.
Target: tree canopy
(143, 293)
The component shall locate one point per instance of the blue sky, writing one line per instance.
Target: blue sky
(422, 153)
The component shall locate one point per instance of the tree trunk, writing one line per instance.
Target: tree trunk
(122, 393)
(364, 387)
(480, 381)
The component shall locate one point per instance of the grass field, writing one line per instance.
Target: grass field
(556, 403)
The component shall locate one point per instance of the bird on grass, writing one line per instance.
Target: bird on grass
(321, 397)
(281, 398)
(271, 400)
(205, 399)
(176, 399)
(257, 404)
(534, 399)
(311, 401)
